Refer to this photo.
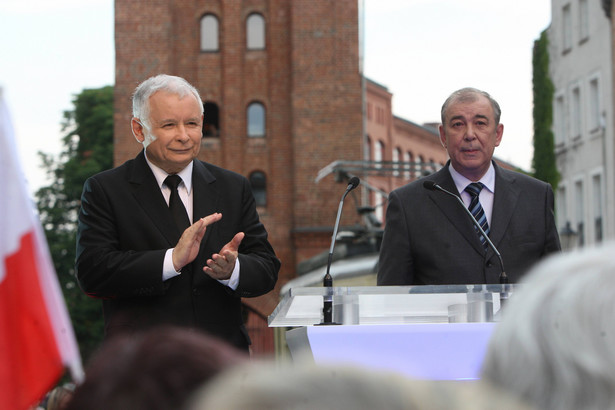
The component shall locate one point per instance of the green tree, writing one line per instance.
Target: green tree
(543, 163)
(87, 149)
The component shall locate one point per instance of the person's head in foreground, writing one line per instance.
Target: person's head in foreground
(555, 346)
(304, 386)
(155, 370)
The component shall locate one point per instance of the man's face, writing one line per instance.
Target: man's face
(174, 136)
(470, 136)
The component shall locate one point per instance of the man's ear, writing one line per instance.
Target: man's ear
(499, 131)
(442, 133)
(137, 129)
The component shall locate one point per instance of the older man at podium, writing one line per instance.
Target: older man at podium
(433, 238)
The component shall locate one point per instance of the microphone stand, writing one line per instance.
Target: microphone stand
(432, 186)
(328, 279)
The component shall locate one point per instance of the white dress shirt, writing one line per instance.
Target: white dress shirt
(486, 194)
(186, 195)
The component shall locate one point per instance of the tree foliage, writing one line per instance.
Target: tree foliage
(87, 149)
(543, 163)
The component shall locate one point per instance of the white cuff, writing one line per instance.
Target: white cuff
(168, 270)
(233, 281)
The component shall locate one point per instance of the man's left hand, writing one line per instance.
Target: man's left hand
(221, 265)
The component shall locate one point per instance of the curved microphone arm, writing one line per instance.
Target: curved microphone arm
(432, 186)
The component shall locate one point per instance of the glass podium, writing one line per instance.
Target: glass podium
(426, 332)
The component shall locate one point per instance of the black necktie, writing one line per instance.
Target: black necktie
(477, 210)
(175, 203)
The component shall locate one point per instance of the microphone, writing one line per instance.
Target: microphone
(328, 280)
(432, 186)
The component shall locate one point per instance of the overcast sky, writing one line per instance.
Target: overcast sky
(421, 50)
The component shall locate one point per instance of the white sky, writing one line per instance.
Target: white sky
(49, 52)
(421, 50)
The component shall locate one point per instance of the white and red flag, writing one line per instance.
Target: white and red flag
(37, 342)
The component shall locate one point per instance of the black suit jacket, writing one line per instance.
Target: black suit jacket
(430, 240)
(125, 228)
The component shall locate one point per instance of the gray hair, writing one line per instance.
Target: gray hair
(555, 346)
(162, 82)
(470, 94)
(304, 386)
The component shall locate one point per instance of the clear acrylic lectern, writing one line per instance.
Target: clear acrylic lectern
(429, 332)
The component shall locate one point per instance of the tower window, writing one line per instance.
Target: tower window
(256, 120)
(211, 120)
(209, 33)
(258, 181)
(255, 32)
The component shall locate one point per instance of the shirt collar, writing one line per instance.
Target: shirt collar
(161, 175)
(461, 182)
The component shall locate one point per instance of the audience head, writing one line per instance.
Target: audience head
(58, 398)
(269, 386)
(555, 346)
(154, 370)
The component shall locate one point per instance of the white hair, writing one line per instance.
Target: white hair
(470, 94)
(555, 346)
(304, 386)
(162, 82)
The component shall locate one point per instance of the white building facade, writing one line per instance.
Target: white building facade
(581, 68)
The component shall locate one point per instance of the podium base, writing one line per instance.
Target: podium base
(327, 324)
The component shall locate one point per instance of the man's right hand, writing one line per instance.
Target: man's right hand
(188, 246)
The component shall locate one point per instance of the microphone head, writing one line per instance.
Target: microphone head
(429, 185)
(353, 183)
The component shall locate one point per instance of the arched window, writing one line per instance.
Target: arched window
(255, 32)
(368, 148)
(420, 163)
(378, 152)
(209, 33)
(211, 120)
(432, 165)
(256, 120)
(407, 164)
(378, 210)
(258, 181)
(396, 158)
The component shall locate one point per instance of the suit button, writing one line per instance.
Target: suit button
(489, 264)
(195, 291)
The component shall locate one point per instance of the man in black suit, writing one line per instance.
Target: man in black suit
(430, 240)
(150, 270)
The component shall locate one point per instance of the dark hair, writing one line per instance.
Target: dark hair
(155, 370)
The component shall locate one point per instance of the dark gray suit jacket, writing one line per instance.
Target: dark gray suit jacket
(430, 240)
(125, 228)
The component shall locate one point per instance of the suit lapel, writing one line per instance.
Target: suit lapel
(504, 203)
(205, 195)
(147, 193)
(451, 208)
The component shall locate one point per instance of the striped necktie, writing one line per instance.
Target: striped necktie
(477, 210)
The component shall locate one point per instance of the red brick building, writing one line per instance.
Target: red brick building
(396, 140)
